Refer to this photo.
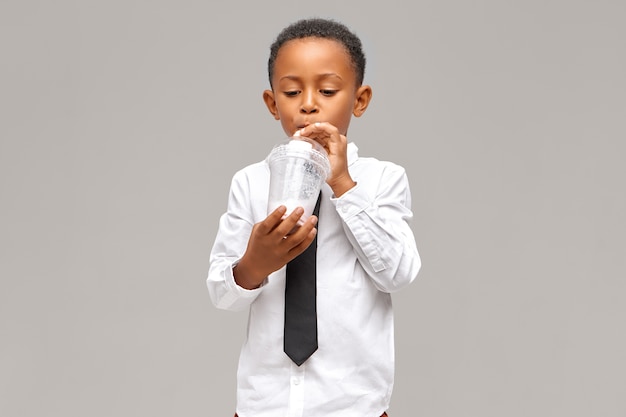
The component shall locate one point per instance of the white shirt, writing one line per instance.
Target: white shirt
(366, 250)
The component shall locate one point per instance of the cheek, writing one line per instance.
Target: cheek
(349, 105)
(285, 107)
(348, 110)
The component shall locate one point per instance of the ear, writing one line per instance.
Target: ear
(270, 102)
(362, 100)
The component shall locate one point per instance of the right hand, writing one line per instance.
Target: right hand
(273, 242)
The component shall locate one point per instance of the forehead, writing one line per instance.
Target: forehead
(313, 55)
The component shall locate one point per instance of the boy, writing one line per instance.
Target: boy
(365, 247)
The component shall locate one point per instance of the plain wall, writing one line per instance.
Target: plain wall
(122, 123)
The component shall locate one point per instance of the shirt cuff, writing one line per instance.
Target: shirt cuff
(352, 202)
(235, 292)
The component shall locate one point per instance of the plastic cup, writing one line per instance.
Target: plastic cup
(298, 168)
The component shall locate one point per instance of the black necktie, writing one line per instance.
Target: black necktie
(300, 339)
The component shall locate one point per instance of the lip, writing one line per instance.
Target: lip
(303, 125)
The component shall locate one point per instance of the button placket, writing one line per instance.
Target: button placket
(296, 390)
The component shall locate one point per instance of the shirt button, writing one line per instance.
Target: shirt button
(296, 381)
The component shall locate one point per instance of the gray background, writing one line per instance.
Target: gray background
(122, 123)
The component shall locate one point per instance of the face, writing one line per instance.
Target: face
(314, 81)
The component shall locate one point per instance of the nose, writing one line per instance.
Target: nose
(308, 104)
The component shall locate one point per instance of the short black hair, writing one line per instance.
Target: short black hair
(321, 28)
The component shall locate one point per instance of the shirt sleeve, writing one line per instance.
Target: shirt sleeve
(230, 244)
(376, 216)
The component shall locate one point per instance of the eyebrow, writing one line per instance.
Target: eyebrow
(320, 76)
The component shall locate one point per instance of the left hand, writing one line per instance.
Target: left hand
(336, 146)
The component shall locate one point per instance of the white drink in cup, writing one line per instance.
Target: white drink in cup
(298, 168)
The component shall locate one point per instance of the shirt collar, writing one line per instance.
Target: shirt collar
(353, 153)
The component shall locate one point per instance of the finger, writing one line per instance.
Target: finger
(300, 233)
(272, 220)
(319, 131)
(302, 244)
(324, 133)
(289, 223)
(302, 230)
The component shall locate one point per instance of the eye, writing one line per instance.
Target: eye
(292, 93)
(328, 93)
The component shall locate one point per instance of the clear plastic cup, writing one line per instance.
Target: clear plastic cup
(298, 168)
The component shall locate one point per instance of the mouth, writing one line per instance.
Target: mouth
(305, 124)
(300, 127)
